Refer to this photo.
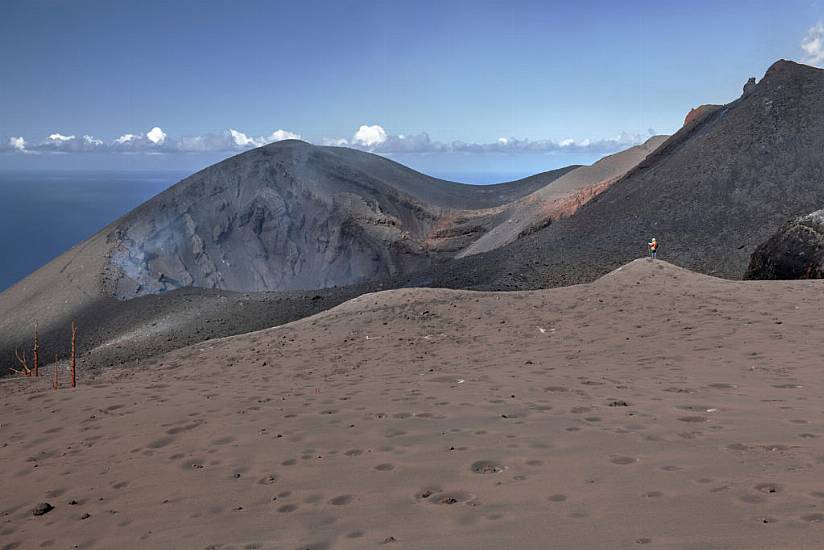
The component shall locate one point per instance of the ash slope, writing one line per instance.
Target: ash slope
(711, 194)
(562, 198)
(690, 421)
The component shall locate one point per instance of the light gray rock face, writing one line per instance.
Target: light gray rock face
(273, 219)
(796, 251)
(291, 216)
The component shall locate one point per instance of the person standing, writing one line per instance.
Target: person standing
(652, 246)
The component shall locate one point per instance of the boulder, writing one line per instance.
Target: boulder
(796, 251)
(42, 508)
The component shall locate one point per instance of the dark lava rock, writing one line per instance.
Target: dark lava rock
(749, 86)
(42, 508)
(796, 251)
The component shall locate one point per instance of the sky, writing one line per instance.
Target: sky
(443, 86)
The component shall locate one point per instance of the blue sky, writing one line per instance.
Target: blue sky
(570, 81)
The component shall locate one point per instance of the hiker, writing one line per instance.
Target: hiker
(653, 248)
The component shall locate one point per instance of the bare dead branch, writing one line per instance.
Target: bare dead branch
(74, 354)
(36, 352)
(21, 358)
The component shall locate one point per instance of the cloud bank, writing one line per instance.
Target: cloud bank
(368, 137)
(154, 141)
(376, 139)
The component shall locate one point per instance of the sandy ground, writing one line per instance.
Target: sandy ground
(654, 408)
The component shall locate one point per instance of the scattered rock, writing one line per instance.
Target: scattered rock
(487, 467)
(42, 508)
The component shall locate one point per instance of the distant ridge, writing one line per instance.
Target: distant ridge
(562, 198)
(711, 194)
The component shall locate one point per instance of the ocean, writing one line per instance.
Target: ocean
(44, 213)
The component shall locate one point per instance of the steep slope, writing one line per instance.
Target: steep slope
(710, 194)
(562, 198)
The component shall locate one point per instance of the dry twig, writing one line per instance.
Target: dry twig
(21, 358)
(74, 354)
(36, 351)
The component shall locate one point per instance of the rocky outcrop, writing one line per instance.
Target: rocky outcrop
(695, 115)
(796, 251)
(749, 86)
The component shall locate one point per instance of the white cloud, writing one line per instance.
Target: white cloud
(91, 140)
(376, 139)
(813, 44)
(230, 140)
(421, 143)
(372, 138)
(280, 135)
(152, 142)
(126, 138)
(369, 136)
(59, 143)
(339, 142)
(242, 140)
(55, 143)
(156, 136)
